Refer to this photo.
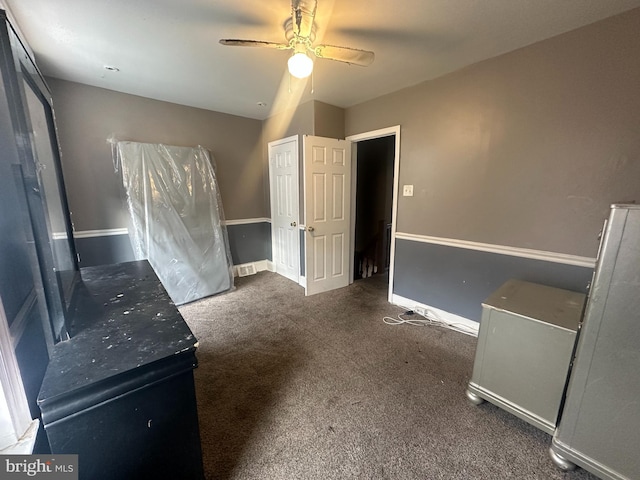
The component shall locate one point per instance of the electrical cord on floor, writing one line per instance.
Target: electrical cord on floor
(429, 319)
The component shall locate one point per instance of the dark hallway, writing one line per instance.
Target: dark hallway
(374, 201)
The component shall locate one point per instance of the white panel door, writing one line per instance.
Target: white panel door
(327, 184)
(285, 236)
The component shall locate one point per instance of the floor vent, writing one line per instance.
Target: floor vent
(246, 269)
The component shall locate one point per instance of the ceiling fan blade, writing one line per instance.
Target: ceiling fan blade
(303, 13)
(233, 42)
(345, 54)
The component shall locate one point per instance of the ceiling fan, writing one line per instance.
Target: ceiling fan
(300, 32)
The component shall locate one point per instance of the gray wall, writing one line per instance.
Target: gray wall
(526, 150)
(292, 121)
(87, 116)
(328, 120)
(310, 118)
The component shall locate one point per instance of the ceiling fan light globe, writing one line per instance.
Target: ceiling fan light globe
(300, 65)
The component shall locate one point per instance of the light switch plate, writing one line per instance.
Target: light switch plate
(407, 191)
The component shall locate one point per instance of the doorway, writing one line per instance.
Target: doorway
(374, 202)
(390, 144)
(375, 167)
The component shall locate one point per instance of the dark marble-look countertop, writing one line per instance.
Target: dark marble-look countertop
(125, 333)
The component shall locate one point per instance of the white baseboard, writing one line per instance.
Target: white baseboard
(268, 265)
(26, 443)
(466, 326)
(254, 267)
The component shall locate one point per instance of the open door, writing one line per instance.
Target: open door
(327, 206)
(285, 235)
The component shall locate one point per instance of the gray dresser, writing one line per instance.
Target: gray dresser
(599, 428)
(526, 339)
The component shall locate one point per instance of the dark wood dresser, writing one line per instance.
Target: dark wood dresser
(120, 393)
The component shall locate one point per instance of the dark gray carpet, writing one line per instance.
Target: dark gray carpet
(294, 387)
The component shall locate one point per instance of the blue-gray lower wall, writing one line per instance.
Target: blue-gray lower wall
(458, 280)
(249, 242)
(104, 250)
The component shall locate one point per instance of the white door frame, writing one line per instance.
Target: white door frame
(383, 132)
(272, 202)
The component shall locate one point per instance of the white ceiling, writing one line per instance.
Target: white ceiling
(169, 50)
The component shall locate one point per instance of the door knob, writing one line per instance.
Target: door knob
(310, 228)
(293, 224)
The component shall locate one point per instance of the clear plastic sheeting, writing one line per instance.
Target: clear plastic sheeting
(177, 218)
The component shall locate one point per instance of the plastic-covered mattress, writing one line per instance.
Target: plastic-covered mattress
(177, 218)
